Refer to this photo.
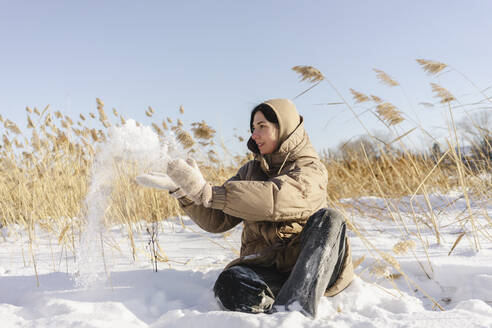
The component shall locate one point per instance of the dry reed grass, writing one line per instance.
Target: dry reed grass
(388, 113)
(44, 178)
(385, 78)
(442, 93)
(308, 73)
(359, 97)
(432, 67)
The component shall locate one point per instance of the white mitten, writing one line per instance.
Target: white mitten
(188, 177)
(160, 181)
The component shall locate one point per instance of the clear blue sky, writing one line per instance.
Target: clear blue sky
(220, 58)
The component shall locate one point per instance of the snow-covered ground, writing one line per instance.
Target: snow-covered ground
(180, 293)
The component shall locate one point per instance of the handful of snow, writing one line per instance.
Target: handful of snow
(132, 143)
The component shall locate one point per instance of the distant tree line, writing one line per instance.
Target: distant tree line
(475, 146)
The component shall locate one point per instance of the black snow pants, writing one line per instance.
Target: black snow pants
(265, 290)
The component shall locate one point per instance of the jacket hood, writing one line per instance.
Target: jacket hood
(287, 115)
(288, 120)
(293, 140)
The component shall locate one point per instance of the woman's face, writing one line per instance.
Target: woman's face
(265, 134)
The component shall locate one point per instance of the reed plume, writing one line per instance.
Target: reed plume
(149, 112)
(388, 113)
(309, 73)
(358, 96)
(376, 99)
(157, 129)
(202, 130)
(403, 247)
(30, 123)
(184, 138)
(12, 127)
(385, 78)
(442, 93)
(432, 67)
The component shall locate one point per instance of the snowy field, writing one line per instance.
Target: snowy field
(180, 293)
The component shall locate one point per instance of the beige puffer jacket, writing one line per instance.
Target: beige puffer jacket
(273, 195)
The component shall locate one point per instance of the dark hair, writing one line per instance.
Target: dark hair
(267, 111)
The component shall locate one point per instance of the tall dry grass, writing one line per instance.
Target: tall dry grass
(45, 172)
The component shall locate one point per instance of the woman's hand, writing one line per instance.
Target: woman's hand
(160, 181)
(187, 176)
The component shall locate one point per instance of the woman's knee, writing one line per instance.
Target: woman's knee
(240, 288)
(326, 217)
(335, 216)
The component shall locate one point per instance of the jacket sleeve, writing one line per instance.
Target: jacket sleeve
(297, 193)
(210, 219)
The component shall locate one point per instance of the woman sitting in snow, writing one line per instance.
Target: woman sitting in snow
(293, 249)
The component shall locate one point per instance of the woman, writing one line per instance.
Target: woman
(293, 249)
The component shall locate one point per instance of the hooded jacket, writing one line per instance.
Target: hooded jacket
(273, 195)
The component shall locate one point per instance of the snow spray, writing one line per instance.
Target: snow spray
(138, 144)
